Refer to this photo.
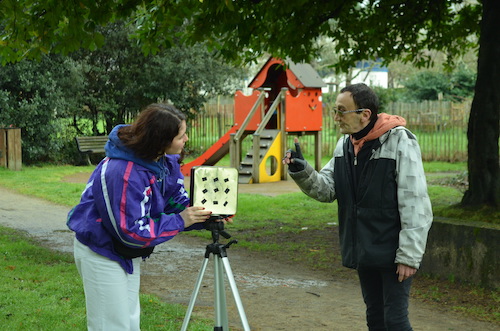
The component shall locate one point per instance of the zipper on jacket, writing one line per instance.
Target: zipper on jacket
(355, 160)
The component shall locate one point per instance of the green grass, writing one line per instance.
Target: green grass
(50, 185)
(46, 182)
(40, 289)
(292, 209)
(266, 228)
(430, 167)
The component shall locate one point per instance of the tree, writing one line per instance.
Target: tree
(119, 80)
(430, 85)
(31, 98)
(244, 30)
(57, 98)
(483, 128)
(427, 85)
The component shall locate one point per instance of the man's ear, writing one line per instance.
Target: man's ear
(366, 114)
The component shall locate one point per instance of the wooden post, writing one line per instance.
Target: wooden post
(256, 158)
(10, 148)
(3, 148)
(284, 134)
(317, 150)
(234, 151)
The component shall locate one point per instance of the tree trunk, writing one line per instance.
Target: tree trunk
(483, 129)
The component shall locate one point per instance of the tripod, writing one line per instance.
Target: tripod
(221, 265)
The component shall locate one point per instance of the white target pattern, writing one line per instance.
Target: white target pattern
(215, 188)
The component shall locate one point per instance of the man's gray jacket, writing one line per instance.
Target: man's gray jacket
(386, 217)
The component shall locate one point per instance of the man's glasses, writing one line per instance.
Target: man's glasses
(341, 113)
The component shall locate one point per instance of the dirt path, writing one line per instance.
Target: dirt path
(275, 296)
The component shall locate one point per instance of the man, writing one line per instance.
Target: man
(384, 211)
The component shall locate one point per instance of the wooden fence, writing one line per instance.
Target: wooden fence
(440, 127)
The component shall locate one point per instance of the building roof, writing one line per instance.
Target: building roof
(306, 74)
(299, 75)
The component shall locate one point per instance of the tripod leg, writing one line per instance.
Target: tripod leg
(194, 295)
(221, 319)
(236, 294)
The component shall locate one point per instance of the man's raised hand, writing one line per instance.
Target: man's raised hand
(294, 159)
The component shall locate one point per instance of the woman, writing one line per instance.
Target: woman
(134, 200)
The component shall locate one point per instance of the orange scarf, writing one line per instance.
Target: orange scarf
(384, 123)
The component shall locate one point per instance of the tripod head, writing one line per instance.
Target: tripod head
(216, 227)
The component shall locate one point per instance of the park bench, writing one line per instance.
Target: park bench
(91, 145)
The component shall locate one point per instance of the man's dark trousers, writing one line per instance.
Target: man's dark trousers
(386, 299)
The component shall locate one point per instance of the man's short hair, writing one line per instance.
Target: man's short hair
(364, 97)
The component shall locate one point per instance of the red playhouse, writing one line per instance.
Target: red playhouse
(286, 99)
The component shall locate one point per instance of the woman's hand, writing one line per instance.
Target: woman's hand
(192, 215)
(227, 220)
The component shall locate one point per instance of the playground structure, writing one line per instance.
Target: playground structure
(285, 100)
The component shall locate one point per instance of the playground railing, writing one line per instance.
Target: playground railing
(235, 141)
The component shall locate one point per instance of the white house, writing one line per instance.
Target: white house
(372, 73)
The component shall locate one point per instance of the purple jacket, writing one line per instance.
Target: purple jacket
(137, 203)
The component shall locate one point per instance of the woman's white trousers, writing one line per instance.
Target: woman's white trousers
(111, 294)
